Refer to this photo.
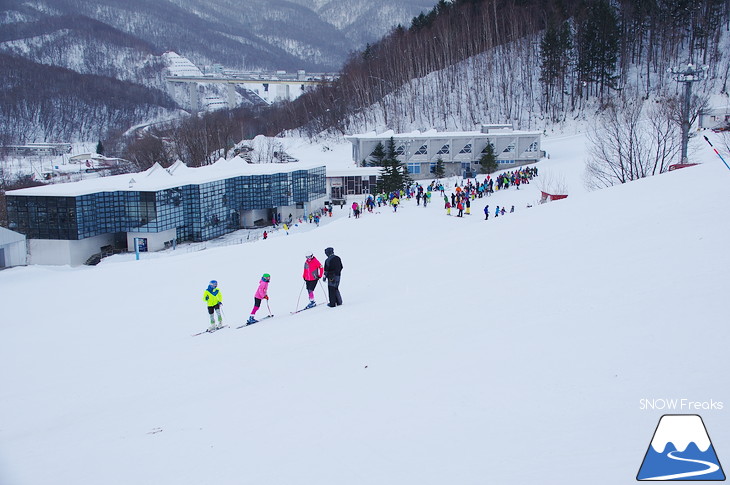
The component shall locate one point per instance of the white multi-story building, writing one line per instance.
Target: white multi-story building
(459, 150)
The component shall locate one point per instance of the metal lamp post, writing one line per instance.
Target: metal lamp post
(687, 75)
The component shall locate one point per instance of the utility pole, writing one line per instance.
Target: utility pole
(687, 75)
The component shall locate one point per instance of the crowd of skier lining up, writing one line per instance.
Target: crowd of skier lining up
(287, 224)
(460, 199)
(330, 272)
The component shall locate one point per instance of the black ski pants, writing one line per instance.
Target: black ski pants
(333, 284)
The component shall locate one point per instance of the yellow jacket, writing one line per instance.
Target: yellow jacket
(212, 296)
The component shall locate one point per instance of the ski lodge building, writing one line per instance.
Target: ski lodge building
(460, 151)
(351, 181)
(69, 223)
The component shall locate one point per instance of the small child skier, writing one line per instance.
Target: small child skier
(261, 294)
(213, 297)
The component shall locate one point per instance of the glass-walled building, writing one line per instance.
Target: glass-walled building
(68, 223)
(351, 183)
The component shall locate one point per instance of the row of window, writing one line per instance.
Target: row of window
(446, 149)
(415, 167)
(198, 211)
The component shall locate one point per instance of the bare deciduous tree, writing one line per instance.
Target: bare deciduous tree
(552, 183)
(630, 142)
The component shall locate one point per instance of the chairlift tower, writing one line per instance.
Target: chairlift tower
(687, 75)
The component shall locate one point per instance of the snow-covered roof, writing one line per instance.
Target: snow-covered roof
(8, 237)
(353, 171)
(436, 134)
(157, 178)
(87, 156)
(715, 110)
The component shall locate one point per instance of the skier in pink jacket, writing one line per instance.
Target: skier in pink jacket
(261, 294)
(313, 271)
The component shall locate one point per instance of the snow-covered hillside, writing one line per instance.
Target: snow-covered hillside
(513, 351)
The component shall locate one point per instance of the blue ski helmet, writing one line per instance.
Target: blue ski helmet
(213, 283)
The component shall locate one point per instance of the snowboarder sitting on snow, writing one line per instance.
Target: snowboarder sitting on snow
(261, 294)
(313, 271)
(332, 272)
(213, 297)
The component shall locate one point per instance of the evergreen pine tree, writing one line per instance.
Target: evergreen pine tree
(390, 150)
(439, 170)
(100, 148)
(556, 54)
(599, 45)
(367, 53)
(394, 174)
(488, 161)
(378, 156)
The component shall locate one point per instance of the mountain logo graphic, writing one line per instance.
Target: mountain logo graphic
(680, 450)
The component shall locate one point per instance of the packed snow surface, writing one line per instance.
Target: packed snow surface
(515, 350)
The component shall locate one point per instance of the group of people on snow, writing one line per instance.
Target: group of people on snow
(330, 272)
(313, 217)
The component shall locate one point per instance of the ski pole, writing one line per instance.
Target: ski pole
(300, 295)
(716, 152)
(321, 287)
(268, 308)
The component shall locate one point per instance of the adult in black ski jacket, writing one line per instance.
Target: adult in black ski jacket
(332, 272)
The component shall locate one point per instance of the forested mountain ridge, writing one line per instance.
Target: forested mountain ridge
(270, 34)
(529, 62)
(86, 46)
(48, 103)
(536, 64)
(125, 40)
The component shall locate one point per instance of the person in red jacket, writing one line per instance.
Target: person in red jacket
(312, 273)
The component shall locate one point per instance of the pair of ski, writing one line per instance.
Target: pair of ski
(257, 321)
(249, 324)
(210, 330)
(269, 316)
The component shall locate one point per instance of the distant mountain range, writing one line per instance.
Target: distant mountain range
(124, 40)
(315, 35)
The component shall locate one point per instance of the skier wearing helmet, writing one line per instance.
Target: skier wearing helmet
(214, 299)
(261, 294)
(313, 271)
